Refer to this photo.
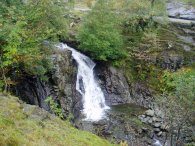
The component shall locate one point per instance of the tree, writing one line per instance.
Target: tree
(100, 35)
(24, 26)
(178, 105)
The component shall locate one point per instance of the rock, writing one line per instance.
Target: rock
(114, 84)
(149, 142)
(142, 117)
(158, 120)
(159, 114)
(181, 11)
(166, 60)
(150, 121)
(145, 120)
(159, 133)
(150, 113)
(144, 129)
(156, 125)
(60, 84)
(155, 119)
(141, 95)
(164, 127)
(100, 123)
(157, 130)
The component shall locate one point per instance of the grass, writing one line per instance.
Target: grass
(22, 124)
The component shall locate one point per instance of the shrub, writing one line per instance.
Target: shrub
(100, 35)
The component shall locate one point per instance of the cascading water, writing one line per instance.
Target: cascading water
(157, 143)
(93, 98)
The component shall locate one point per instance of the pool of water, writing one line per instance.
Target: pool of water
(127, 110)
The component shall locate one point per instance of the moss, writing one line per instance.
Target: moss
(20, 124)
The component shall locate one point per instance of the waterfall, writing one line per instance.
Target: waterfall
(94, 105)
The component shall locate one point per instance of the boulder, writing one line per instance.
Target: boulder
(150, 113)
(157, 125)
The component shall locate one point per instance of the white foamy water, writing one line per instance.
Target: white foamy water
(157, 143)
(94, 105)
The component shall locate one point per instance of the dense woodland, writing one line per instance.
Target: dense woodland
(123, 34)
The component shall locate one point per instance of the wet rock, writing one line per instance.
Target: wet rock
(141, 95)
(119, 126)
(100, 123)
(114, 84)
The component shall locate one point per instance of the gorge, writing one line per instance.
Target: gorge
(97, 73)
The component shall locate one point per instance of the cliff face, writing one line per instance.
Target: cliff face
(114, 84)
(60, 84)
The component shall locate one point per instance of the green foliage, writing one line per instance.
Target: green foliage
(1, 85)
(54, 107)
(137, 15)
(141, 37)
(142, 47)
(178, 100)
(182, 85)
(181, 82)
(190, 144)
(123, 143)
(100, 35)
(23, 28)
(185, 87)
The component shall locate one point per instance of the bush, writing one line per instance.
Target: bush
(100, 35)
(24, 26)
(54, 107)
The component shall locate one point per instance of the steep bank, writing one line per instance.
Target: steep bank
(23, 124)
(60, 85)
